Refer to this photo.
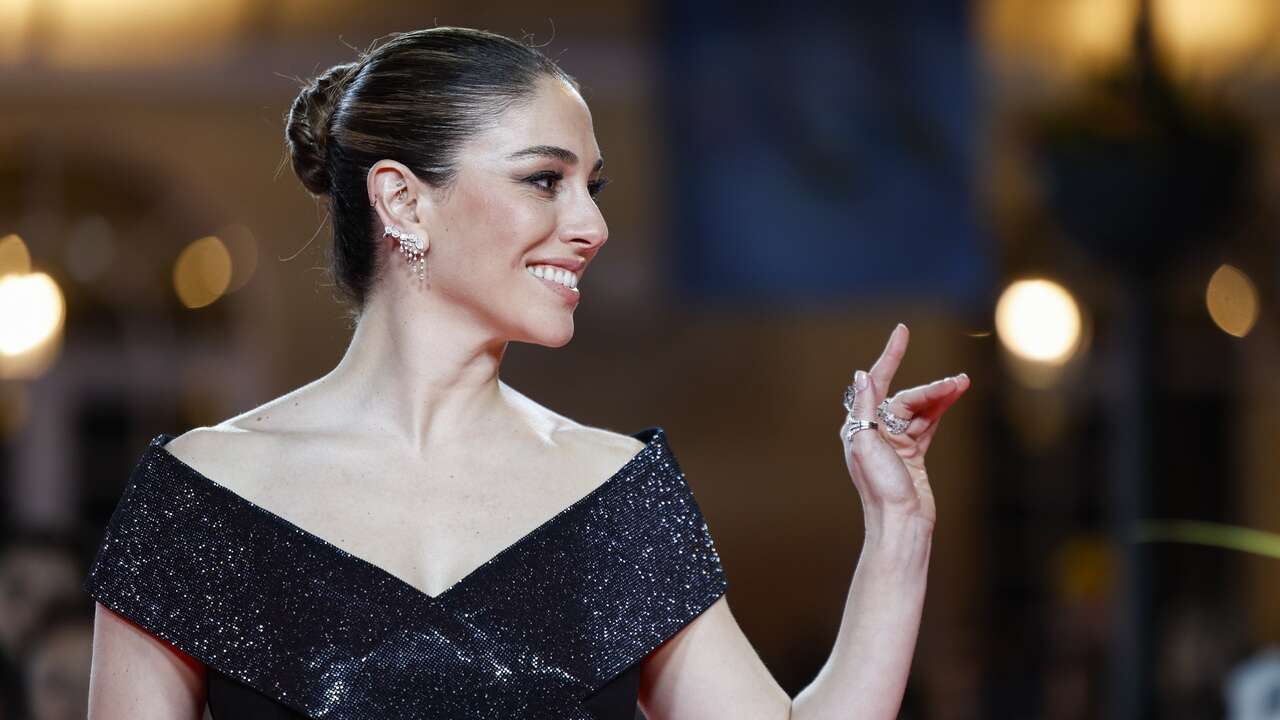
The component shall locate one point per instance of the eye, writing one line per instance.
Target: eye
(550, 177)
(595, 187)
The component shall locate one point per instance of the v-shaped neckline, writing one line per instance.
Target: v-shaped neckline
(650, 436)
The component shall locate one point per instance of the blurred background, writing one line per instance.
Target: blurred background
(1074, 201)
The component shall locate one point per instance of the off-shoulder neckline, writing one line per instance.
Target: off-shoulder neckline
(653, 437)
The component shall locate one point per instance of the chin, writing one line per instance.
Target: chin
(559, 339)
(552, 335)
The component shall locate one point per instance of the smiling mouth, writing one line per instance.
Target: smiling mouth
(552, 274)
(555, 283)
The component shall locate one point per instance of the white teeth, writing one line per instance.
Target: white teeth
(550, 272)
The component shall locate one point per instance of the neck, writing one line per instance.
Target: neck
(420, 373)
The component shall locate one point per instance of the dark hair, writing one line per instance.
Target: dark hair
(414, 99)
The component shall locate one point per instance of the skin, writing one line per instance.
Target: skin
(414, 455)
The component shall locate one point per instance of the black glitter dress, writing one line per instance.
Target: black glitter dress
(292, 626)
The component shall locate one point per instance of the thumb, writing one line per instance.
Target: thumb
(865, 400)
(862, 408)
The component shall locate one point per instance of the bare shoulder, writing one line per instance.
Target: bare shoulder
(196, 445)
(607, 441)
(594, 444)
(252, 440)
(223, 453)
(601, 452)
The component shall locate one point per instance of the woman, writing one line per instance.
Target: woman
(461, 556)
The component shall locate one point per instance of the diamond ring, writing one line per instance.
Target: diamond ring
(894, 424)
(856, 425)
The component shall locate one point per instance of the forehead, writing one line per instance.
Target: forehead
(554, 115)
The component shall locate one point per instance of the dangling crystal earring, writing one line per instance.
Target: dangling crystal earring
(411, 247)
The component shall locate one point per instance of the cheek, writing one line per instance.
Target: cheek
(496, 231)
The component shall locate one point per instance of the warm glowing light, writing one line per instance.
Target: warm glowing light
(31, 311)
(14, 256)
(1094, 31)
(101, 33)
(1214, 35)
(1038, 320)
(15, 17)
(202, 272)
(1070, 39)
(1232, 301)
(1062, 38)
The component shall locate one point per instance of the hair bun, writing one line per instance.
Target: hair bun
(307, 127)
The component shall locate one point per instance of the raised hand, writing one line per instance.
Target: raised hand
(887, 469)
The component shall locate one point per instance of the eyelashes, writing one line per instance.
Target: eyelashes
(553, 177)
(595, 187)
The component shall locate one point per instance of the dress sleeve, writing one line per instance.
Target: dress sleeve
(133, 571)
(175, 561)
(671, 545)
(630, 569)
(674, 568)
(248, 596)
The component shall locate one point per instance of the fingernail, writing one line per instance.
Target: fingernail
(860, 380)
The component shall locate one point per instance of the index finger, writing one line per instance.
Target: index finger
(886, 365)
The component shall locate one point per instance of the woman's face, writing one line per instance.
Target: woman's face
(524, 197)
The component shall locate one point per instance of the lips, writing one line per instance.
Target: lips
(574, 264)
(569, 295)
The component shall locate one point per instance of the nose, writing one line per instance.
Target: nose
(584, 225)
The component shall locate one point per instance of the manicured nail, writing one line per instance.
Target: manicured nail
(860, 380)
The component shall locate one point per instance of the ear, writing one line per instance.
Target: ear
(398, 197)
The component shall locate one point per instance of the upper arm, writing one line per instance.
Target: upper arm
(710, 670)
(138, 676)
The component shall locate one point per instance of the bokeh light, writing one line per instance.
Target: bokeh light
(14, 256)
(1038, 320)
(131, 33)
(1232, 301)
(202, 272)
(1068, 38)
(1209, 38)
(31, 311)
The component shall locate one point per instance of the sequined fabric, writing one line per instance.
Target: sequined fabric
(528, 634)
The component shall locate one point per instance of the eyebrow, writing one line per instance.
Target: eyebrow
(566, 156)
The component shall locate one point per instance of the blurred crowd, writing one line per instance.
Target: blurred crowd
(46, 629)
